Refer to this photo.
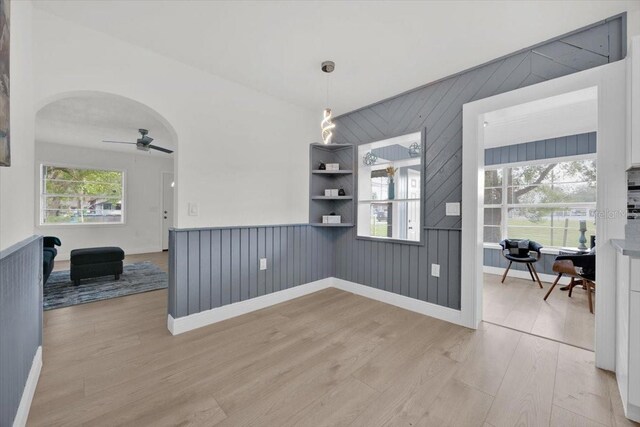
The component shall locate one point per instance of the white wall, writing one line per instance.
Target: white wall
(142, 231)
(16, 182)
(242, 155)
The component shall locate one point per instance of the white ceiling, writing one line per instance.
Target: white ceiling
(380, 48)
(85, 120)
(567, 114)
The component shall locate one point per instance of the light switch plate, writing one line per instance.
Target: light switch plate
(435, 270)
(193, 209)
(263, 263)
(453, 209)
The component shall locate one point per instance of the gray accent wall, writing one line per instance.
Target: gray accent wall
(20, 320)
(218, 266)
(213, 267)
(438, 108)
(572, 145)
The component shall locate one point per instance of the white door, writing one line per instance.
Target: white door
(167, 208)
(413, 211)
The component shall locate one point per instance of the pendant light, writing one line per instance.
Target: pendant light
(327, 125)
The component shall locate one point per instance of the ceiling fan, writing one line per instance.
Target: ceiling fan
(143, 143)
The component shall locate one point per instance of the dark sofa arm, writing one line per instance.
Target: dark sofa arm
(51, 242)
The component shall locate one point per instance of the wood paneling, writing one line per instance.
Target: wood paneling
(438, 108)
(572, 145)
(20, 320)
(218, 266)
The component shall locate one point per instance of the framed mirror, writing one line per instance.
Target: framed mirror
(390, 189)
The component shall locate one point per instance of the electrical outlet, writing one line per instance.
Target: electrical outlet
(435, 270)
(263, 263)
(193, 209)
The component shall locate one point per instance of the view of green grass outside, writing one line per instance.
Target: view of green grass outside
(542, 232)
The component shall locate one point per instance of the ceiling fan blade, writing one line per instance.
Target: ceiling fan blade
(164, 150)
(119, 142)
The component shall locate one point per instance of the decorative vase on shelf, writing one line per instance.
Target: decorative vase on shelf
(582, 240)
(322, 166)
(391, 191)
(341, 192)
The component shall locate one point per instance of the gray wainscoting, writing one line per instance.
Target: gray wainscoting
(403, 268)
(213, 267)
(572, 145)
(20, 320)
(438, 108)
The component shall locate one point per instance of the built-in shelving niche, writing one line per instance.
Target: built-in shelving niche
(320, 180)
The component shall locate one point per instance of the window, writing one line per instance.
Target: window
(548, 203)
(80, 196)
(389, 188)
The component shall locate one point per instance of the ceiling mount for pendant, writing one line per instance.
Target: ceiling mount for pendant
(328, 66)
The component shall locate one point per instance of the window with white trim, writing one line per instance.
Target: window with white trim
(541, 201)
(81, 196)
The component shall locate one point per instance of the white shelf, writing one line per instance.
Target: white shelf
(388, 200)
(341, 224)
(338, 172)
(332, 197)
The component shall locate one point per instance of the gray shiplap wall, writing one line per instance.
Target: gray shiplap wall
(438, 108)
(20, 320)
(213, 267)
(572, 145)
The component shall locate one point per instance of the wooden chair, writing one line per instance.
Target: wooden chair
(520, 250)
(582, 270)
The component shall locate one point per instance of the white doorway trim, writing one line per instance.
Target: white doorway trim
(164, 230)
(610, 83)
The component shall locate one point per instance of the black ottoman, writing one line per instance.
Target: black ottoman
(96, 262)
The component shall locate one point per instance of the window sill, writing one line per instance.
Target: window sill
(82, 225)
(391, 240)
(546, 251)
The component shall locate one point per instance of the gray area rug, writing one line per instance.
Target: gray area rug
(136, 278)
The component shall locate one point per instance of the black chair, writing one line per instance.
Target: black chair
(520, 250)
(581, 266)
(49, 253)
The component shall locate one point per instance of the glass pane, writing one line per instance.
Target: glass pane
(493, 196)
(582, 171)
(557, 227)
(493, 216)
(380, 220)
(492, 178)
(59, 180)
(553, 193)
(82, 210)
(492, 234)
(389, 180)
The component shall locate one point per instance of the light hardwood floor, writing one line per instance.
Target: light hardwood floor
(330, 358)
(519, 304)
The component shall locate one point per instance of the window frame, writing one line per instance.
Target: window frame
(40, 196)
(422, 228)
(504, 206)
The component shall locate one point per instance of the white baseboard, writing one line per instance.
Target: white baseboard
(20, 419)
(411, 304)
(633, 412)
(548, 278)
(204, 318)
